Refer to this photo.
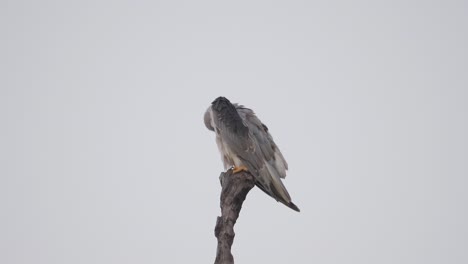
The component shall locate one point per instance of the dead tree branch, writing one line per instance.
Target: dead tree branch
(235, 188)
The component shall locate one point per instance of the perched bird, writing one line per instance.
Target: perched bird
(246, 145)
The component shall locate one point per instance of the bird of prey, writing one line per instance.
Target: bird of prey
(245, 144)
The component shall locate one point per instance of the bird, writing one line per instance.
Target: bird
(245, 144)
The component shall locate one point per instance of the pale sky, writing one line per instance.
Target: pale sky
(104, 156)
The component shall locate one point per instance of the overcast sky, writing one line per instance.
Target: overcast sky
(104, 156)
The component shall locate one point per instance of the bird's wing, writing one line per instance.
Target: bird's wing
(270, 163)
(267, 148)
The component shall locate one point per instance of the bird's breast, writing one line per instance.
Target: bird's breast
(228, 156)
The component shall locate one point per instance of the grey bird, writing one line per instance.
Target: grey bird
(246, 144)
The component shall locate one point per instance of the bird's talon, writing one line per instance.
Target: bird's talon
(239, 169)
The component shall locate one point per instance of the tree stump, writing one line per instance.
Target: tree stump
(235, 188)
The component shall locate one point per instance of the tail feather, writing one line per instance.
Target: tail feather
(293, 206)
(269, 181)
(289, 204)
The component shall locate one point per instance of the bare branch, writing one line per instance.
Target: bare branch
(235, 188)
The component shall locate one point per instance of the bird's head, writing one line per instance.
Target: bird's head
(208, 119)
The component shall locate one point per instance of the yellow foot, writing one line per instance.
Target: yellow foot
(239, 169)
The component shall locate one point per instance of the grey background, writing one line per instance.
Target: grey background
(104, 157)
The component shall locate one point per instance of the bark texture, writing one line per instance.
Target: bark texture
(235, 188)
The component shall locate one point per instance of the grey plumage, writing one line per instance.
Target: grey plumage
(243, 140)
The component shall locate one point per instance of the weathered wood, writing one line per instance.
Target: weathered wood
(235, 188)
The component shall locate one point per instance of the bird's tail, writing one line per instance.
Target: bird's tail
(269, 181)
(293, 206)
